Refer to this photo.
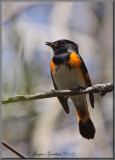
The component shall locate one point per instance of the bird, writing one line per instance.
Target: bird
(68, 71)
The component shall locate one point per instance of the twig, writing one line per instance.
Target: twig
(13, 150)
(102, 89)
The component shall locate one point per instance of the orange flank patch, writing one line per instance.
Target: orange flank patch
(52, 66)
(74, 60)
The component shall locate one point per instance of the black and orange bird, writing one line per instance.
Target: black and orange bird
(68, 71)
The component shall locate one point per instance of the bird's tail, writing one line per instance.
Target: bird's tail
(86, 126)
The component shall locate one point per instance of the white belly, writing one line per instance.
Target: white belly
(66, 78)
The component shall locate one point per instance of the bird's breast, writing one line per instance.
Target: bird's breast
(67, 77)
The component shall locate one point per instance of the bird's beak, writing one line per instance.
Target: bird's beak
(49, 44)
(52, 44)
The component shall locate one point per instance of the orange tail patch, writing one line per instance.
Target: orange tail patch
(83, 114)
(86, 126)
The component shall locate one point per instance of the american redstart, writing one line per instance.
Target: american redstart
(68, 71)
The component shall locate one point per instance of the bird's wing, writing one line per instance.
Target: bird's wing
(76, 61)
(62, 99)
(87, 81)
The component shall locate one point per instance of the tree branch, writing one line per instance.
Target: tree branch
(102, 89)
(13, 150)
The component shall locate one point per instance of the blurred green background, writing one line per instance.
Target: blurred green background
(41, 126)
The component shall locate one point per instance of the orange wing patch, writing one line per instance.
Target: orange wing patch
(52, 66)
(74, 60)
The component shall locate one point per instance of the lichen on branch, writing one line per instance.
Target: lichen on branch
(102, 89)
